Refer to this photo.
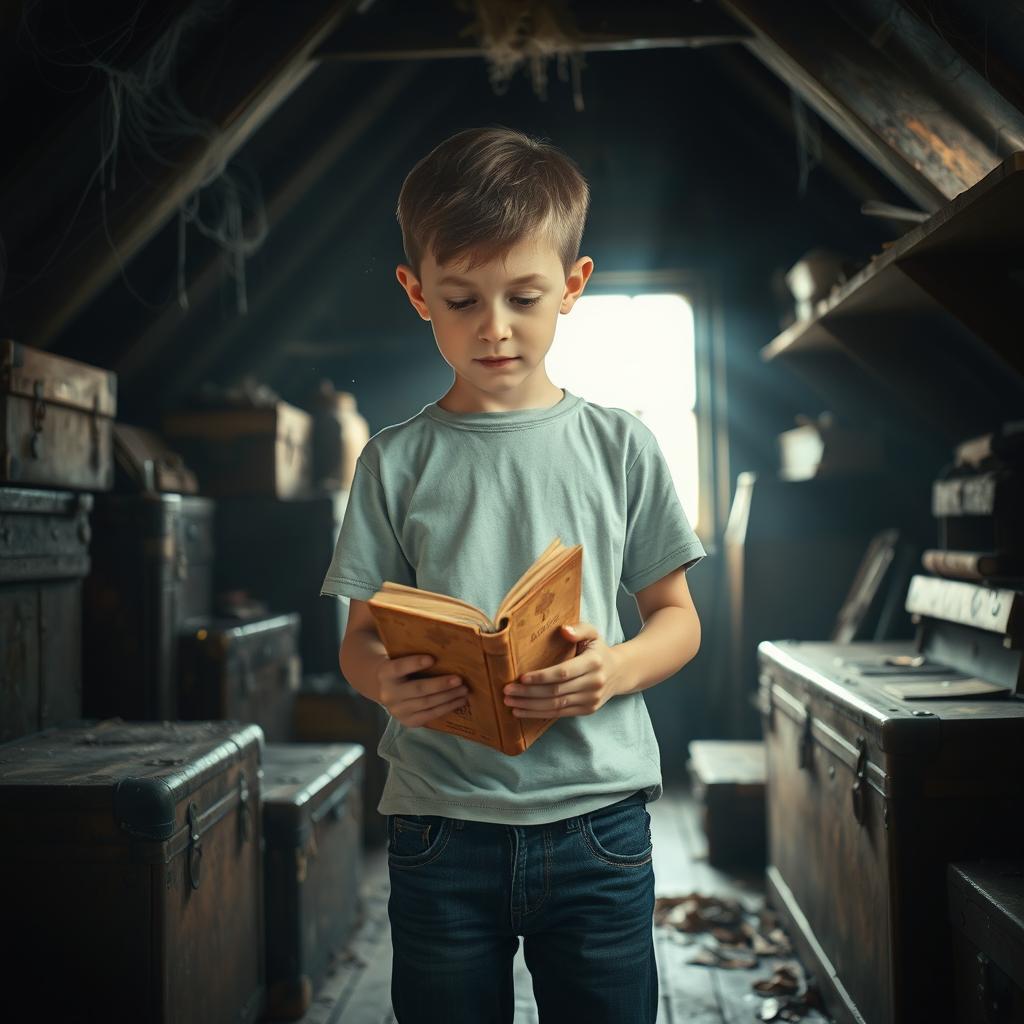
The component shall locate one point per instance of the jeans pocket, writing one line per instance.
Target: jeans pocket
(619, 835)
(415, 839)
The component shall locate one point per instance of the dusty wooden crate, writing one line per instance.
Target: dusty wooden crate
(728, 781)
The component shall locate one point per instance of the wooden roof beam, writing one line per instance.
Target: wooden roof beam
(878, 105)
(298, 272)
(204, 285)
(428, 31)
(271, 50)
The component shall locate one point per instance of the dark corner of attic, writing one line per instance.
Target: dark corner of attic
(807, 222)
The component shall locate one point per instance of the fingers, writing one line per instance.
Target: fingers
(417, 710)
(581, 630)
(405, 666)
(555, 707)
(544, 681)
(580, 696)
(416, 701)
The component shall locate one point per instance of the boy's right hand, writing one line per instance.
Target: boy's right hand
(416, 701)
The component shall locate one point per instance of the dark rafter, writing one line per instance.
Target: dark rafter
(271, 46)
(204, 286)
(297, 272)
(424, 31)
(879, 105)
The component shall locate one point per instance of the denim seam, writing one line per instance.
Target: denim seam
(602, 855)
(395, 860)
(547, 876)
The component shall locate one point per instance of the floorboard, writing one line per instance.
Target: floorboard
(357, 991)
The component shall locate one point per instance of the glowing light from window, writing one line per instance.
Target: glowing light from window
(636, 352)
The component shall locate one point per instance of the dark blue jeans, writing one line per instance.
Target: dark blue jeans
(580, 892)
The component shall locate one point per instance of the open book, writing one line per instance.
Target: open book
(488, 653)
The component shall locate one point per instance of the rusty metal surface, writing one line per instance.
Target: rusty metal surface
(152, 571)
(313, 826)
(44, 553)
(143, 928)
(869, 798)
(302, 530)
(57, 419)
(249, 671)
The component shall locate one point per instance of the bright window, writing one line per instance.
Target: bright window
(636, 352)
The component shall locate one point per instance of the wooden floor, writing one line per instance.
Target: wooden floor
(358, 989)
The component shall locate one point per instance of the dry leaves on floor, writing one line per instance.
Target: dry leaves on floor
(742, 937)
(727, 920)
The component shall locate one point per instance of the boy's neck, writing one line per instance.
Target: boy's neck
(458, 401)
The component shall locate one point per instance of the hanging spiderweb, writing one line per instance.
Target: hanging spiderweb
(808, 141)
(144, 116)
(531, 32)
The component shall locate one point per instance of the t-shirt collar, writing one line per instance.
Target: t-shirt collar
(510, 419)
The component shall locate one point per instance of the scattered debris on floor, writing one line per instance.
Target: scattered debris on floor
(739, 939)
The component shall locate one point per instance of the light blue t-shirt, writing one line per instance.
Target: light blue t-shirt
(462, 504)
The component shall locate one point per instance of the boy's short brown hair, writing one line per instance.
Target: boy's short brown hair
(483, 190)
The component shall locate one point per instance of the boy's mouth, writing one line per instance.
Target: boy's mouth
(501, 361)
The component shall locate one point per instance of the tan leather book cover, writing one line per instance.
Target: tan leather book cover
(527, 638)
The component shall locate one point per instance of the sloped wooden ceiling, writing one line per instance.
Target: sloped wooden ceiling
(891, 83)
(99, 272)
(232, 63)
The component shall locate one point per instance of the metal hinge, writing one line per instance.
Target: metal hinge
(860, 781)
(195, 851)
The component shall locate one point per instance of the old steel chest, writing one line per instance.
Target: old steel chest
(264, 450)
(328, 709)
(44, 555)
(57, 417)
(304, 533)
(131, 873)
(313, 823)
(869, 798)
(152, 571)
(986, 910)
(249, 671)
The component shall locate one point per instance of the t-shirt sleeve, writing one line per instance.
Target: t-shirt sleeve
(659, 537)
(368, 551)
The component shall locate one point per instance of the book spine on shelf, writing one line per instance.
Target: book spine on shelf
(501, 669)
(964, 565)
(988, 608)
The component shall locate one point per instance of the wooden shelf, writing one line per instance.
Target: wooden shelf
(929, 330)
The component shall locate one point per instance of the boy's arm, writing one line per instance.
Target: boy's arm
(670, 636)
(362, 651)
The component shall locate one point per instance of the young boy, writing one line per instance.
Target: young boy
(554, 844)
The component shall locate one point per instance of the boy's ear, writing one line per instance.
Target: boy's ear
(408, 280)
(579, 273)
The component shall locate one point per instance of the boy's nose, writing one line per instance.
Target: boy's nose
(494, 327)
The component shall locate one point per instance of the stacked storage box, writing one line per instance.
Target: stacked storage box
(55, 417)
(313, 823)
(132, 876)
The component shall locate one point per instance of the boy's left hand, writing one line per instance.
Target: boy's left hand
(578, 686)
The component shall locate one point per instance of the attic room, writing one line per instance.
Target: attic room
(322, 322)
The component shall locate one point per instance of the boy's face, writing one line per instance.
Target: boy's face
(505, 309)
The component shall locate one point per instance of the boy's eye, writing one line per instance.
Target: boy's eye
(524, 301)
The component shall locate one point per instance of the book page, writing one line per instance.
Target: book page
(440, 606)
(544, 565)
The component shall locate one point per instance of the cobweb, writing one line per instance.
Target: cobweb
(143, 119)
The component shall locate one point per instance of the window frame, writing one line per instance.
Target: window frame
(702, 292)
